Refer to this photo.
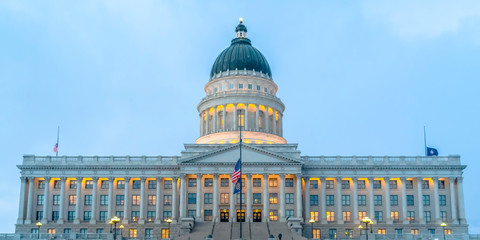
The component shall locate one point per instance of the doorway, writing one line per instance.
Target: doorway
(240, 215)
(257, 215)
(224, 215)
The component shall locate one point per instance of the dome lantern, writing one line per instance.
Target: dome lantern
(241, 30)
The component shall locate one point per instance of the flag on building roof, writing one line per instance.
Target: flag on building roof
(55, 148)
(237, 172)
(432, 151)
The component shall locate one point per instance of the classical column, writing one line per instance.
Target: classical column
(461, 203)
(61, 215)
(249, 196)
(206, 121)
(31, 181)
(299, 196)
(174, 199)
(141, 219)
(46, 197)
(280, 125)
(282, 197)
(78, 203)
(404, 200)
(339, 200)
(126, 201)
(307, 198)
(274, 117)
(214, 122)
(199, 191)
(267, 120)
(453, 204)
(21, 207)
(201, 124)
(158, 201)
(436, 201)
(224, 117)
(93, 220)
(235, 117)
(323, 204)
(371, 209)
(265, 198)
(182, 196)
(388, 209)
(257, 117)
(355, 201)
(215, 196)
(232, 202)
(419, 200)
(246, 117)
(110, 199)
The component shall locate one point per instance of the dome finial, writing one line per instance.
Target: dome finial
(241, 30)
(241, 20)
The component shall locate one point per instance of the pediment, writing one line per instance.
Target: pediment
(250, 155)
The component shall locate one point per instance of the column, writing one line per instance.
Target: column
(158, 201)
(214, 121)
(403, 181)
(249, 197)
(371, 209)
(201, 124)
(419, 200)
(174, 199)
(232, 202)
(141, 219)
(323, 203)
(280, 125)
(461, 203)
(355, 201)
(436, 202)
(110, 199)
(21, 207)
(453, 199)
(224, 117)
(257, 117)
(215, 196)
(246, 117)
(126, 201)
(388, 209)
(299, 196)
(282, 197)
(266, 213)
(46, 196)
(31, 181)
(199, 190)
(182, 196)
(78, 200)
(61, 214)
(267, 119)
(307, 198)
(235, 117)
(339, 201)
(94, 201)
(206, 121)
(274, 117)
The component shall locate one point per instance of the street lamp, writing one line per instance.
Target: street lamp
(111, 225)
(121, 231)
(169, 220)
(115, 220)
(361, 229)
(312, 221)
(39, 224)
(367, 221)
(443, 225)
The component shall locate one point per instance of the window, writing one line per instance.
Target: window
(443, 215)
(425, 184)
(330, 216)
(377, 184)
(443, 200)
(70, 216)
(448, 231)
(99, 230)
(273, 215)
(103, 216)
(40, 200)
(56, 200)
(215, 90)
(135, 215)
(362, 215)
(168, 215)
(34, 231)
(83, 230)
(224, 182)
(120, 184)
(332, 233)
(441, 184)
(240, 85)
(314, 184)
(428, 216)
(316, 233)
(72, 200)
(361, 184)
(345, 184)
(393, 184)
(104, 184)
(152, 184)
(289, 213)
(56, 184)
(289, 198)
(208, 182)
(330, 200)
(103, 200)
(379, 215)
(414, 231)
(167, 200)
(349, 233)
(208, 198)
(151, 216)
(289, 182)
(426, 200)
(192, 198)
(377, 200)
(313, 200)
(41, 184)
(258, 87)
(381, 231)
(87, 215)
(192, 182)
(393, 200)
(265, 89)
(345, 200)
(398, 232)
(119, 214)
(51, 231)
(409, 185)
(54, 215)
(67, 230)
(257, 198)
(274, 198)
(191, 213)
(431, 231)
(257, 182)
(346, 216)
(73, 184)
(411, 216)
(152, 200)
(120, 200)
(88, 184)
(165, 233)
(314, 216)
(88, 200)
(167, 184)
(39, 215)
(136, 184)
(273, 182)
(329, 184)
(207, 215)
(133, 233)
(250, 86)
(148, 233)
(410, 200)
(224, 198)
(135, 200)
(362, 200)
(394, 216)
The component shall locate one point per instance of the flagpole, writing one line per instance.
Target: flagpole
(425, 140)
(58, 136)
(241, 185)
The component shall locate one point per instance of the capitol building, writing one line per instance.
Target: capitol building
(190, 196)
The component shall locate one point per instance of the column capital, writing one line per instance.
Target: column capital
(298, 175)
(183, 175)
(143, 179)
(460, 179)
(175, 179)
(386, 179)
(451, 179)
(265, 175)
(127, 179)
(111, 179)
(322, 179)
(339, 179)
(249, 175)
(79, 179)
(47, 179)
(95, 179)
(403, 179)
(215, 175)
(354, 179)
(159, 179)
(199, 175)
(63, 179)
(23, 178)
(370, 179)
(435, 179)
(31, 179)
(419, 178)
(282, 175)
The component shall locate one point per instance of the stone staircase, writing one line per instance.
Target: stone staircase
(281, 227)
(199, 232)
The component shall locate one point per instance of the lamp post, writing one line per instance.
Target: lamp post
(121, 231)
(443, 226)
(115, 220)
(361, 229)
(169, 220)
(312, 221)
(367, 221)
(111, 225)
(39, 224)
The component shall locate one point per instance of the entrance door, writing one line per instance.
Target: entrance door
(240, 215)
(224, 215)
(257, 215)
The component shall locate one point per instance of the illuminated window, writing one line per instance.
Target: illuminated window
(152, 200)
(135, 200)
(56, 184)
(425, 184)
(381, 231)
(345, 184)
(288, 182)
(314, 216)
(103, 200)
(224, 182)
(207, 215)
(345, 200)
(393, 184)
(165, 233)
(135, 215)
(121, 184)
(39, 200)
(329, 184)
(362, 200)
(330, 200)
(330, 216)
(411, 216)
(273, 198)
(152, 184)
(73, 184)
(151, 216)
(273, 182)
(361, 184)
(362, 215)
(241, 119)
(273, 215)
(208, 198)
(426, 200)
(133, 233)
(394, 200)
(51, 231)
(120, 199)
(192, 198)
(167, 200)
(394, 216)
(377, 184)
(167, 184)
(88, 184)
(104, 184)
(316, 233)
(448, 231)
(224, 198)
(257, 198)
(346, 216)
(314, 184)
(208, 182)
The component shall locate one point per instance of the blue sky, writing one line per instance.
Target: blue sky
(125, 77)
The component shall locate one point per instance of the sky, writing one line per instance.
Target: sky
(125, 77)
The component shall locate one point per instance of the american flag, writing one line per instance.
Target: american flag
(55, 148)
(237, 172)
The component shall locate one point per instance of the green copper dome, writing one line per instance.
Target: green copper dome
(241, 55)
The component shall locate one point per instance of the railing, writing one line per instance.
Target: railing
(100, 160)
(248, 93)
(380, 160)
